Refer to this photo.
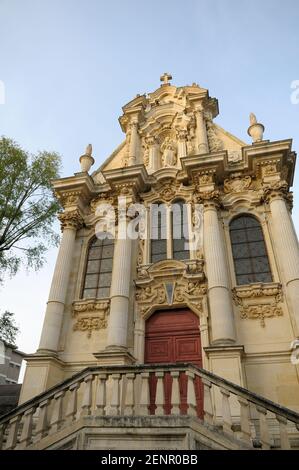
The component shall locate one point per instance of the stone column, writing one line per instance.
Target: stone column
(220, 302)
(201, 132)
(286, 248)
(120, 290)
(133, 143)
(70, 221)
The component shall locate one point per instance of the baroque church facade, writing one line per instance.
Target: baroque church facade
(166, 341)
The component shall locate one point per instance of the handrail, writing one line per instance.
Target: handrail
(204, 374)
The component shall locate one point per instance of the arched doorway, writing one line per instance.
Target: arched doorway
(172, 336)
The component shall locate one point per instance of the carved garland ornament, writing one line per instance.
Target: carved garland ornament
(268, 297)
(90, 315)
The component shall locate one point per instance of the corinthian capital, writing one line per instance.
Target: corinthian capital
(209, 199)
(71, 219)
(276, 189)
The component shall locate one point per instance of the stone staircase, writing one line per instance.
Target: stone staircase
(108, 408)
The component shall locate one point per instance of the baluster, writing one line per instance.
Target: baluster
(13, 432)
(26, 435)
(245, 420)
(160, 394)
(264, 430)
(101, 395)
(191, 398)
(87, 396)
(56, 417)
(175, 393)
(144, 394)
(113, 407)
(129, 395)
(283, 431)
(41, 429)
(207, 402)
(71, 409)
(226, 414)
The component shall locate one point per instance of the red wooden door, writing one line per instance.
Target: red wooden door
(172, 336)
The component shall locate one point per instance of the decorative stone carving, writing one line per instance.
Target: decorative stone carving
(168, 149)
(151, 293)
(103, 198)
(274, 188)
(140, 252)
(91, 315)
(68, 198)
(234, 157)
(237, 184)
(90, 323)
(209, 197)
(260, 312)
(187, 287)
(215, 143)
(195, 268)
(258, 301)
(70, 219)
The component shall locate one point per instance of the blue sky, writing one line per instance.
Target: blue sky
(68, 67)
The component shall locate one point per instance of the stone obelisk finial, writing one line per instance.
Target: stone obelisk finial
(86, 160)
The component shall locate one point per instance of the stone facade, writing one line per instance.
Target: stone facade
(173, 150)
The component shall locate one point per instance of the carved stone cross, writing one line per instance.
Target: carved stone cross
(165, 78)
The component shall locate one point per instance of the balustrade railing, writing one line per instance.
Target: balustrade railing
(118, 391)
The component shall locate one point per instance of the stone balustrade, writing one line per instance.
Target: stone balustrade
(124, 391)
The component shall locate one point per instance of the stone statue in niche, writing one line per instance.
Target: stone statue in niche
(168, 149)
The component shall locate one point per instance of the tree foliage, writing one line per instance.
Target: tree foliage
(8, 328)
(27, 206)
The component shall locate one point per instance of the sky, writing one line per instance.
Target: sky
(68, 66)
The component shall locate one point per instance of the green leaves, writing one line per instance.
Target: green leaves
(8, 328)
(27, 205)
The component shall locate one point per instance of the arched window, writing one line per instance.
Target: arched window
(98, 272)
(179, 230)
(249, 251)
(158, 232)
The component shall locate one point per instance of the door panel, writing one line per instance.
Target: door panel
(171, 337)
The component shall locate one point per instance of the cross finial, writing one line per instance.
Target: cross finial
(165, 78)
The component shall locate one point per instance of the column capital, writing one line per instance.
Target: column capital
(70, 219)
(277, 190)
(210, 199)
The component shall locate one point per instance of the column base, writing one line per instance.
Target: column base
(225, 361)
(43, 371)
(114, 356)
